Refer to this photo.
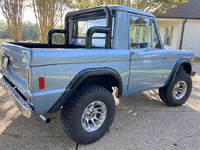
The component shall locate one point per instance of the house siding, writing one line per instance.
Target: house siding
(191, 35)
(191, 38)
(175, 17)
(177, 24)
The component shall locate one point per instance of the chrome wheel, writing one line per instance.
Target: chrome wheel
(179, 90)
(94, 116)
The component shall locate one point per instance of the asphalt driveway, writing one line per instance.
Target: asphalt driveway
(141, 122)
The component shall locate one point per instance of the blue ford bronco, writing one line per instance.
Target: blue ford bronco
(106, 50)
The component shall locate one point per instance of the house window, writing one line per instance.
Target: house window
(168, 35)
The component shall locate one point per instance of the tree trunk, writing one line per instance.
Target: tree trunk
(12, 11)
(47, 13)
(128, 3)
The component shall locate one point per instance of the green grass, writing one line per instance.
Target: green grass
(197, 59)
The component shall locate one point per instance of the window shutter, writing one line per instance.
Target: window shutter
(171, 35)
(165, 36)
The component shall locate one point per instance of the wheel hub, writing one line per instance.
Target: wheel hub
(179, 90)
(94, 116)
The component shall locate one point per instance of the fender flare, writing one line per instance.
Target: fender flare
(175, 70)
(79, 78)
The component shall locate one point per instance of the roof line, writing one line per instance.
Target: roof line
(179, 18)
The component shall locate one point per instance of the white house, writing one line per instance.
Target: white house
(180, 27)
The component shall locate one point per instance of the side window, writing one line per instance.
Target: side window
(140, 32)
(143, 33)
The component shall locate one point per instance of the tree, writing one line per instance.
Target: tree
(144, 5)
(48, 13)
(29, 32)
(4, 33)
(58, 38)
(13, 12)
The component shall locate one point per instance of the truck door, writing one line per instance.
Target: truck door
(147, 68)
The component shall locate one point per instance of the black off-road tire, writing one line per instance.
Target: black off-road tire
(72, 111)
(166, 93)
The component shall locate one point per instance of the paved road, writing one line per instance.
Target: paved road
(142, 122)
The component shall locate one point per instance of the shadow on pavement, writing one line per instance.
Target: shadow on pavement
(19, 132)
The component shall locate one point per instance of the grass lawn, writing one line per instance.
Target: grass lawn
(197, 59)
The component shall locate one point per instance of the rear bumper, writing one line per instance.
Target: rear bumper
(19, 101)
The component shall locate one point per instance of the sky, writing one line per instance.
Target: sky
(28, 15)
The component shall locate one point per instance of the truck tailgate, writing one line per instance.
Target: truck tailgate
(14, 63)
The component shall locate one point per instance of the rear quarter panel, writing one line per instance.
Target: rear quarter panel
(60, 66)
(173, 56)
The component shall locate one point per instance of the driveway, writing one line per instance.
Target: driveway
(141, 122)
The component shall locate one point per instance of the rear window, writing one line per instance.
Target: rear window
(83, 26)
(80, 28)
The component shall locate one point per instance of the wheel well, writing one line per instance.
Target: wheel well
(107, 81)
(103, 77)
(186, 67)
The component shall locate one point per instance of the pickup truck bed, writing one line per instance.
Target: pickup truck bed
(43, 45)
(59, 67)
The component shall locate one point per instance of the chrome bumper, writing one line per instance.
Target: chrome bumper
(19, 101)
